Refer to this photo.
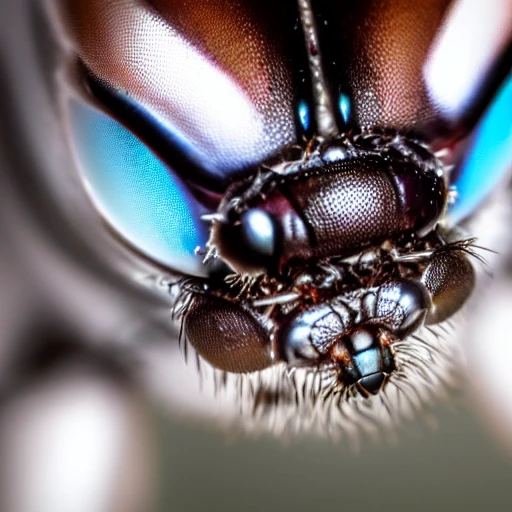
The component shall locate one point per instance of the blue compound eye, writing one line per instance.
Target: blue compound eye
(490, 158)
(135, 192)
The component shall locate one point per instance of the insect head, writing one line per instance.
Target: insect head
(289, 163)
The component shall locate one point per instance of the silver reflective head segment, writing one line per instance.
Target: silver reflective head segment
(361, 340)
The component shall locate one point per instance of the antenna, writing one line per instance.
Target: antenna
(325, 120)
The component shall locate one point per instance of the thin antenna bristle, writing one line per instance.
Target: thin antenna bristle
(326, 123)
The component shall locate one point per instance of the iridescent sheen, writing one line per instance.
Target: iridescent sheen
(490, 159)
(304, 115)
(345, 107)
(135, 192)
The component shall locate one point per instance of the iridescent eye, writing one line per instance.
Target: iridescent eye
(135, 192)
(490, 158)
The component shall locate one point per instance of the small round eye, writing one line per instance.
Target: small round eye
(490, 158)
(258, 230)
(253, 241)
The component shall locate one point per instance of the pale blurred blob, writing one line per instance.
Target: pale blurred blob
(459, 61)
(486, 340)
(489, 354)
(76, 442)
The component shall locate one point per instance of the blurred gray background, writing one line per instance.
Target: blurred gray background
(457, 467)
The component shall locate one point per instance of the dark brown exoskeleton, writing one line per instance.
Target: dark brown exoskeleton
(344, 255)
(339, 253)
(293, 173)
(323, 144)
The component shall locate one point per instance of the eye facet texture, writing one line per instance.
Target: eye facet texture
(220, 72)
(135, 192)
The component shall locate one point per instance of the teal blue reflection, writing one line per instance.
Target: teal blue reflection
(490, 158)
(135, 192)
(368, 362)
(345, 108)
(304, 115)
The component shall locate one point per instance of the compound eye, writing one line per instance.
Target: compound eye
(227, 336)
(140, 197)
(489, 160)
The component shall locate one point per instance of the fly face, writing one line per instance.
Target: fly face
(300, 171)
(338, 257)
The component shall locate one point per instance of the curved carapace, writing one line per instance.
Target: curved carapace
(230, 74)
(300, 140)
(222, 74)
(346, 196)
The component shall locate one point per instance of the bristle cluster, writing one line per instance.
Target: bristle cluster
(295, 400)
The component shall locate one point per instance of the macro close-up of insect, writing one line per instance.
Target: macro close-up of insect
(289, 219)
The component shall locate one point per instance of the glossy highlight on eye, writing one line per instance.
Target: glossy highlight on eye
(135, 192)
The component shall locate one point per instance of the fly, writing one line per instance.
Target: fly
(338, 253)
(293, 168)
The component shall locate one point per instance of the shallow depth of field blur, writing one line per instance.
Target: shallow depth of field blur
(82, 430)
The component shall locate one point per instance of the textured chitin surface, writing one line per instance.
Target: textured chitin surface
(352, 217)
(228, 76)
(218, 72)
(213, 320)
(376, 49)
